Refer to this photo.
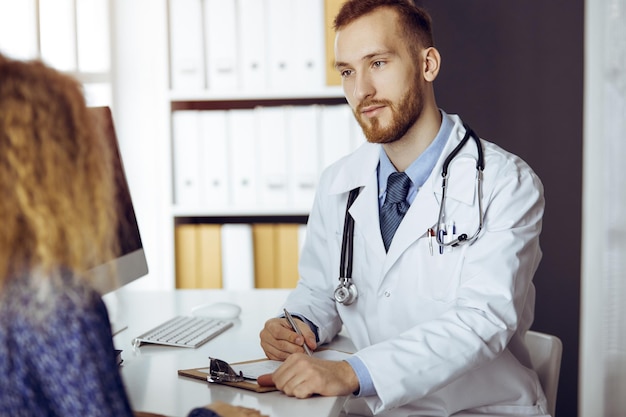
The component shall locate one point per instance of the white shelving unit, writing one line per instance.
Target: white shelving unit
(293, 19)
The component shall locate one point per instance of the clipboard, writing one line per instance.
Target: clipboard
(250, 385)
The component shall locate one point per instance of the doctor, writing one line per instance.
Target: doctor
(439, 330)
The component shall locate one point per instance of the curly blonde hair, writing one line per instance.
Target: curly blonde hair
(57, 190)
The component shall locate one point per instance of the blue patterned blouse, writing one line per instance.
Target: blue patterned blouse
(57, 356)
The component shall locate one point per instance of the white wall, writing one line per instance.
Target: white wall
(141, 113)
(603, 292)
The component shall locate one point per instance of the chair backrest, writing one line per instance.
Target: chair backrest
(545, 353)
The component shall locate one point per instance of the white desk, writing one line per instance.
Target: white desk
(150, 371)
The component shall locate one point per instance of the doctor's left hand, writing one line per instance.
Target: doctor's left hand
(302, 376)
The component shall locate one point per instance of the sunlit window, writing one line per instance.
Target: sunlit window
(72, 36)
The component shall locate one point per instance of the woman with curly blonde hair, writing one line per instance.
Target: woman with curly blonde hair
(57, 205)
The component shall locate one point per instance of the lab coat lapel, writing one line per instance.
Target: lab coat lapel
(364, 211)
(359, 170)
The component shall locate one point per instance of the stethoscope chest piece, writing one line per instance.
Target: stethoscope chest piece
(346, 292)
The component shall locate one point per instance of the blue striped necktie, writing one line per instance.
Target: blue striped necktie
(395, 206)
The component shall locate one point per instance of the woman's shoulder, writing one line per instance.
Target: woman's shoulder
(45, 300)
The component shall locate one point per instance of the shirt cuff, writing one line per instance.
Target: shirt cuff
(309, 323)
(366, 385)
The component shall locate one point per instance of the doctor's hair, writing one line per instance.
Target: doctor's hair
(415, 21)
(56, 177)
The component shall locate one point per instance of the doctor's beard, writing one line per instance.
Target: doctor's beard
(403, 116)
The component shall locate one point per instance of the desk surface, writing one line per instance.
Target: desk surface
(150, 371)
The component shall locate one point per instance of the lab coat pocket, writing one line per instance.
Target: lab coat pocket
(438, 275)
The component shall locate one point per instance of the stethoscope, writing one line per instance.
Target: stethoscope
(346, 292)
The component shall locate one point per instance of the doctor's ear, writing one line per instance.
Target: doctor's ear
(431, 62)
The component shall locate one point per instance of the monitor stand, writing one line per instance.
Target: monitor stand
(115, 310)
(118, 327)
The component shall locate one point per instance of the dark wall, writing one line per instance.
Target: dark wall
(513, 70)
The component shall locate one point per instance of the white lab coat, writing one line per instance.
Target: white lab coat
(440, 333)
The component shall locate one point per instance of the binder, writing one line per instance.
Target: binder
(308, 44)
(273, 170)
(280, 53)
(209, 256)
(287, 254)
(237, 257)
(185, 127)
(335, 133)
(186, 51)
(213, 153)
(264, 255)
(251, 26)
(331, 8)
(357, 137)
(185, 238)
(220, 28)
(303, 132)
(242, 157)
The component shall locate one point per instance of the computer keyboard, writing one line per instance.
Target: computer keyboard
(184, 331)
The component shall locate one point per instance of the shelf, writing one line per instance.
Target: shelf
(243, 217)
(261, 95)
(247, 102)
(237, 212)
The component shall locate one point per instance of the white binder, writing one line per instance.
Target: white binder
(273, 171)
(185, 128)
(237, 257)
(252, 33)
(280, 44)
(309, 44)
(336, 135)
(242, 157)
(303, 134)
(186, 52)
(357, 135)
(213, 154)
(220, 28)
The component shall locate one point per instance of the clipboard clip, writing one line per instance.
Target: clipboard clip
(220, 371)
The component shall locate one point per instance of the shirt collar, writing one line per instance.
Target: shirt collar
(421, 168)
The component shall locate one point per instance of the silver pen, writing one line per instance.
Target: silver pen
(297, 330)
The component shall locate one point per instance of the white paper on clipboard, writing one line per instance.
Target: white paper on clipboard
(252, 370)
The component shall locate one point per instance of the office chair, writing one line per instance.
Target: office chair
(545, 354)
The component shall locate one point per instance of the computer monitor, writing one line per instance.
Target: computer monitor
(130, 263)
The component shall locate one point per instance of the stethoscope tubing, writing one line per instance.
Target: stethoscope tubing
(480, 166)
(345, 267)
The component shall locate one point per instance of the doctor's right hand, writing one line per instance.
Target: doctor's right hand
(278, 339)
